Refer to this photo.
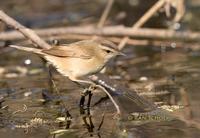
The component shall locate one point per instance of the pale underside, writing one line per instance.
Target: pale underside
(74, 67)
(75, 61)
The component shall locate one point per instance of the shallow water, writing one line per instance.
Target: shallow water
(163, 75)
(170, 71)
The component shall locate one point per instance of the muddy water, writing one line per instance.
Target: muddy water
(26, 113)
(165, 76)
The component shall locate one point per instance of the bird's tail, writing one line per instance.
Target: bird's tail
(33, 50)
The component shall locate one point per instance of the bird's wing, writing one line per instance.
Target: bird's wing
(68, 51)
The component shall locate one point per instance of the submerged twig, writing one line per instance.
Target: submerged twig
(21, 110)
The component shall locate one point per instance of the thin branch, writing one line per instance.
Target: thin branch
(110, 31)
(143, 20)
(25, 31)
(105, 13)
(149, 14)
(104, 16)
(133, 42)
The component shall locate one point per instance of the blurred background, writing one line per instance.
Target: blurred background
(165, 72)
(64, 12)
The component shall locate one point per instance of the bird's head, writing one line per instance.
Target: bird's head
(108, 49)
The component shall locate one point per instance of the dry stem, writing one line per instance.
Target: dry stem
(25, 31)
(116, 31)
(143, 20)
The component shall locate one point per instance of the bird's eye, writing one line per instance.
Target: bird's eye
(108, 51)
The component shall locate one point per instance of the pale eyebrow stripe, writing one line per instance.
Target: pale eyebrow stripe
(113, 47)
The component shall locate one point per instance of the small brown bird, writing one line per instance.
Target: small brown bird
(78, 59)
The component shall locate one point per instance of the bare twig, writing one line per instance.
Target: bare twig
(105, 14)
(132, 42)
(21, 110)
(110, 31)
(143, 20)
(25, 31)
(135, 42)
(179, 5)
(149, 14)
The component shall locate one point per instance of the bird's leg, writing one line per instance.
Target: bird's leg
(84, 93)
(82, 101)
(101, 87)
(89, 101)
(88, 123)
(90, 89)
(87, 91)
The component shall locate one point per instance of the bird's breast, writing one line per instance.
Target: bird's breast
(86, 67)
(76, 67)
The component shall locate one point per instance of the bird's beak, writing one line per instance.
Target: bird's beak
(121, 54)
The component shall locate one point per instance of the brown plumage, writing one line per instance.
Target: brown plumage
(78, 59)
